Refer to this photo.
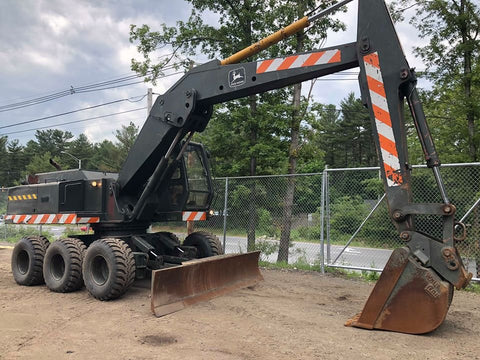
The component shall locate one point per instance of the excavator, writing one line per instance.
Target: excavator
(166, 177)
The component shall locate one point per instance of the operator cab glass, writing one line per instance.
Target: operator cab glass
(199, 186)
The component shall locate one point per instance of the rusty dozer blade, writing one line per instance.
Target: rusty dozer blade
(199, 280)
(407, 298)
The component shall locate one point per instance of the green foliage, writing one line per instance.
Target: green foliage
(473, 287)
(373, 187)
(307, 233)
(82, 149)
(13, 233)
(282, 265)
(3, 202)
(258, 128)
(126, 137)
(370, 275)
(345, 135)
(53, 141)
(16, 162)
(265, 223)
(379, 230)
(40, 163)
(347, 214)
(232, 141)
(106, 157)
(451, 59)
(266, 248)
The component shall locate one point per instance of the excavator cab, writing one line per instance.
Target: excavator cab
(188, 186)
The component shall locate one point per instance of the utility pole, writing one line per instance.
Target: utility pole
(149, 100)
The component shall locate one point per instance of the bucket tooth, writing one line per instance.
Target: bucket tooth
(199, 280)
(407, 298)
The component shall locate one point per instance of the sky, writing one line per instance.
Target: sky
(63, 46)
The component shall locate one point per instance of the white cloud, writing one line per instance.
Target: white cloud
(57, 23)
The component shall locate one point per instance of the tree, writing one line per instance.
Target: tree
(16, 161)
(82, 149)
(356, 132)
(3, 161)
(53, 141)
(231, 150)
(126, 137)
(106, 157)
(452, 62)
(40, 163)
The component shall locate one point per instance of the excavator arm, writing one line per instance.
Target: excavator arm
(415, 289)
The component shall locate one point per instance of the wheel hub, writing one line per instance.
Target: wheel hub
(100, 270)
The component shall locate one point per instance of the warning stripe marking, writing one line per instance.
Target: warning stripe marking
(51, 219)
(22, 197)
(194, 215)
(383, 121)
(296, 61)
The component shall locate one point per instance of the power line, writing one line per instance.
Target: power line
(75, 121)
(69, 112)
(51, 97)
(99, 86)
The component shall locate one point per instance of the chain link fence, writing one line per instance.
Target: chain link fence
(353, 224)
(359, 231)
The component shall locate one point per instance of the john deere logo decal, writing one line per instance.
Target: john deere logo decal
(236, 77)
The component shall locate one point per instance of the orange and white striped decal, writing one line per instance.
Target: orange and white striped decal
(383, 120)
(296, 61)
(51, 219)
(194, 215)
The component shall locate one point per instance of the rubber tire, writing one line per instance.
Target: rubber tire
(62, 266)
(158, 242)
(27, 260)
(206, 243)
(108, 268)
(170, 235)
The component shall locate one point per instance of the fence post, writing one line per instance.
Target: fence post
(322, 215)
(327, 211)
(225, 216)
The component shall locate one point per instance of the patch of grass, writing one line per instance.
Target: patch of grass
(13, 234)
(266, 248)
(300, 265)
(473, 287)
(284, 266)
(370, 275)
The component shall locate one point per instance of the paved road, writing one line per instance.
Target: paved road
(310, 252)
(351, 256)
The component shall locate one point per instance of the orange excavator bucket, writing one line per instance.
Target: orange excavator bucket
(199, 280)
(407, 298)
